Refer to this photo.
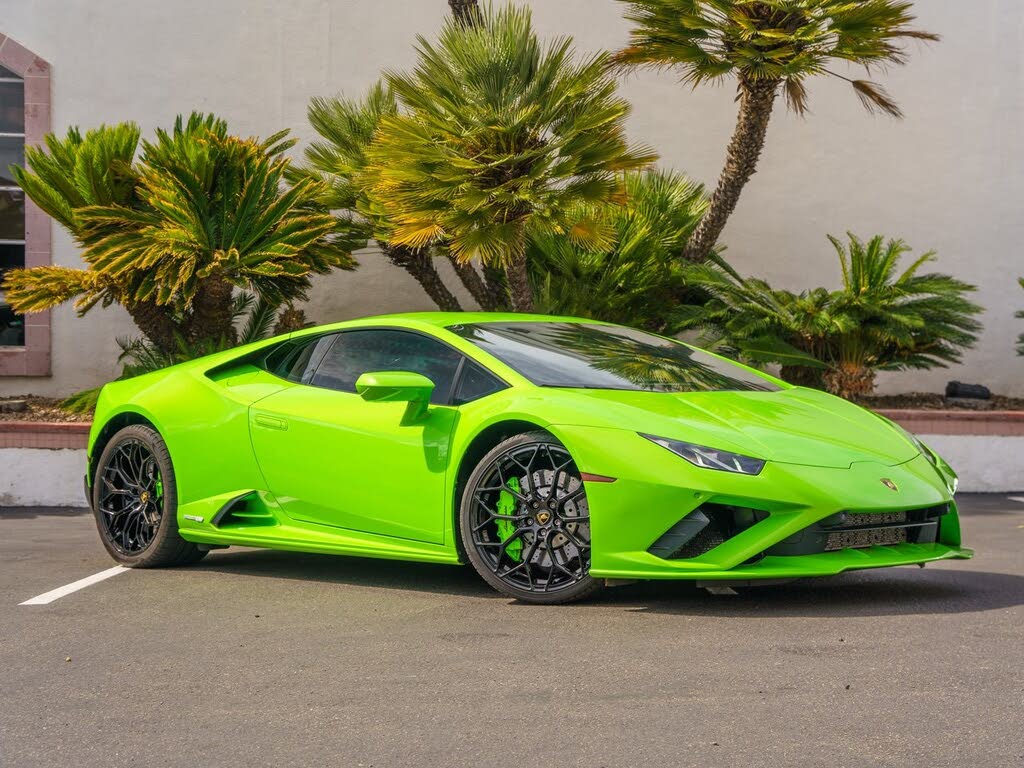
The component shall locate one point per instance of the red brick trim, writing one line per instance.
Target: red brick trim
(924, 422)
(44, 434)
(34, 358)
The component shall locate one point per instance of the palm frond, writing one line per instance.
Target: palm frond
(492, 133)
(785, 41)
(630, 274)
(881, 319)
(199, 212)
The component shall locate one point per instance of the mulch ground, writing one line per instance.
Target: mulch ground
(33, 408)
(929, 401)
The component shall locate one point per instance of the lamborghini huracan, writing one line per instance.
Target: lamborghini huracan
(555, 455)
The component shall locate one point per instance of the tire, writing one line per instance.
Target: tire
(135, 502)
(524, 522)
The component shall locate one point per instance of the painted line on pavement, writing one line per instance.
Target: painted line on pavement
(1017, 498)
(67, 589)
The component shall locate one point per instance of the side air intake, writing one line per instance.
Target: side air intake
(703, 529)
(247, 509)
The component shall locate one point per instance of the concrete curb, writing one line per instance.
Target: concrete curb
(41, 463)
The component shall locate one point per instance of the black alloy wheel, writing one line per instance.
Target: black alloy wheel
(134, 500)
(525, 521)
(131, 498)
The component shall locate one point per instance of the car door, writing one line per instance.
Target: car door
(331, 458)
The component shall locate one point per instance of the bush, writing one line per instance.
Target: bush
(170, 236)
(638, 279)
(838, 340)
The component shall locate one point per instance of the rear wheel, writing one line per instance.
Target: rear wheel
(525, 523)
(135, 502)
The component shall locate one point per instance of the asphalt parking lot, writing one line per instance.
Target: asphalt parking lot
(256, 658)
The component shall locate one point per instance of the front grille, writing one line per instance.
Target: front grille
(867, 529)
(876, 537)
(859, 519)
(859, 530)
(705, 541)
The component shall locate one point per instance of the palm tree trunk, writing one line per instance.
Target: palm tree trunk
(421, 266)
(211, 317)
(519, 289)
(466, 11)
(290, 319)
(850, 380)
(155, 322)
(474, 283)
(756, 97)
(496, 281)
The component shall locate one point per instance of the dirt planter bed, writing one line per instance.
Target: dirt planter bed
(41, 463)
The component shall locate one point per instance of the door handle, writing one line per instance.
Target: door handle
(270, 422)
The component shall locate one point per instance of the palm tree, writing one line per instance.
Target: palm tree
(768, 46)
(638, 280)
(498, 135)
(171, 237)
(338, 158)
(881, 319)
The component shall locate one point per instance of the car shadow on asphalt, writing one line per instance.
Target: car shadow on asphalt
(356, 571)
(884, 592)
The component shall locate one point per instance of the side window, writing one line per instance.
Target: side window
(475, 383)
(297, 360)
(357, 352)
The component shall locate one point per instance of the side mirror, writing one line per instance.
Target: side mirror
(397, 387)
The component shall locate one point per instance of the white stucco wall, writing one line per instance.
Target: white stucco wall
(949, 177)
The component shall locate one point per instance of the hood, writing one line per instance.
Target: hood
(793, 426)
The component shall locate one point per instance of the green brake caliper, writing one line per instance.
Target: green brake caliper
(506, 528)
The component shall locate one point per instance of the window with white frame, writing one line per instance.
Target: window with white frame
(12, 199)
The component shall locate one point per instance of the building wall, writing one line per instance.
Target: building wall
(949, 177)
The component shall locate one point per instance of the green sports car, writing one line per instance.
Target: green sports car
(553, 454)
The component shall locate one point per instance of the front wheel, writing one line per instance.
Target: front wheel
(525, 523)
(135, 501)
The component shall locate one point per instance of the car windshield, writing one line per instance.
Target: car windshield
(593, 356)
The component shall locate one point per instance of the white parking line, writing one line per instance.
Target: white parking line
(67, 589)
(1017, 498)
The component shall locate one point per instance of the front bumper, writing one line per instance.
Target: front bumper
(654, 490)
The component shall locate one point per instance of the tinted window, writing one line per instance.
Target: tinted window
(297, 360)
(475, 383)
(607, 357)
(357, 352)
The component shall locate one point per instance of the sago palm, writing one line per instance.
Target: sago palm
(638, 279)
(881, 319)
(498, 135)
(767, 46)
(172, 235)
(338, 157)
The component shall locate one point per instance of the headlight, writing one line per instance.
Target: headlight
(945, 471)
(710, 458)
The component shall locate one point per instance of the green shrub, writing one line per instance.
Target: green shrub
(638, 278)
(881, 319)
